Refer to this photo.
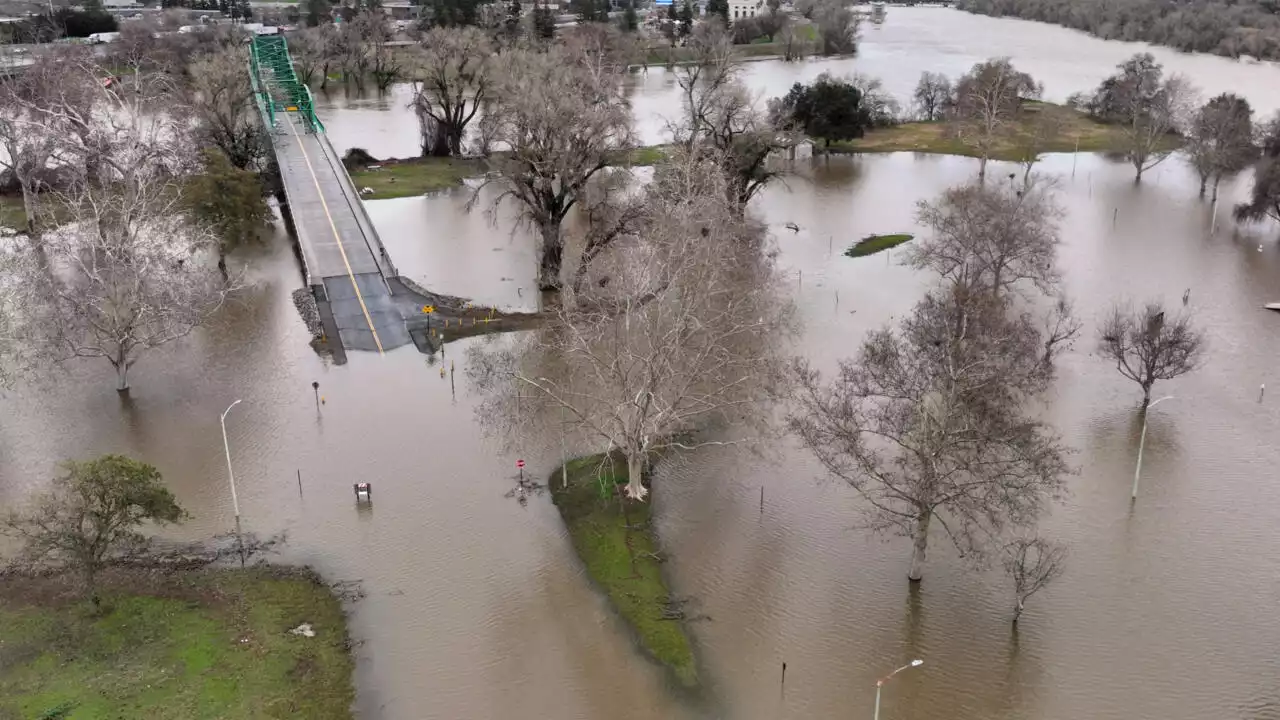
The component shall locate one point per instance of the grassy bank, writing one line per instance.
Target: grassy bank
(873, 244)
(622, 563)
(412, 177)
(209, 644)
(1076, 132)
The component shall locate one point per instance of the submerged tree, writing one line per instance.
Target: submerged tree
(931, 423)
(1149, 106)
(1032, 563)
(830, 108)
(1220, 140)
(91, 516)
(1147, 346)
(722, 121)
(988, 101)
(563, 123)
(1264, 201)
(228, 201)
(990, 238)
(837, 27)
(454, 78)
(125, 276)
(675, 331)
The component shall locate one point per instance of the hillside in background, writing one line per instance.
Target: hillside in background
(1223, 27)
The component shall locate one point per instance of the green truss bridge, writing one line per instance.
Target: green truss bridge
(362, 302)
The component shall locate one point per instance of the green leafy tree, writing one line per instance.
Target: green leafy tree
(451, 13)
(91, 516)
(590, 10)
(686, 18)
(1220, 140)
(317, 12)
(719, 7)
(229, 201)
(514, 13)
(672, 13)
(630, 23)
(544, 22)
(830, 108)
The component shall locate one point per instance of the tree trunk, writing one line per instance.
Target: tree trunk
(1138, 165)
(919, 544)
(222, 260)
(1146, 396)
(122, 371)
(1216, 181)
(635, 477)
(1203, 182)
(552, 257)
(982, 169)
(1018, 608)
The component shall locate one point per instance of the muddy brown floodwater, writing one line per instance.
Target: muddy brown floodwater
(476, 606)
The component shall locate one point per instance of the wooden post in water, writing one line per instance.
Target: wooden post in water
(1262, 391)
(761, 499)
(782, 688)
(299, 484)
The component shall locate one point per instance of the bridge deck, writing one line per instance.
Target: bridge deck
(340, 247)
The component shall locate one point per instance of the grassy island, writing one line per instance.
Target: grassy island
(617, 545)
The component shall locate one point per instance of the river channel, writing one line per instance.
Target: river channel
(476, 606)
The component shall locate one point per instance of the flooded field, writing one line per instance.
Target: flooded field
(477, 608)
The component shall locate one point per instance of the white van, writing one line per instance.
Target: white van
(100, 38)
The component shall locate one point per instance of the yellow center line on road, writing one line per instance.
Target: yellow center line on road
(336, 236)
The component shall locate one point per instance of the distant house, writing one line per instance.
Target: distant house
(739, 9)
(120, 4)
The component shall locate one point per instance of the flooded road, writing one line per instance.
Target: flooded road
(476, 606)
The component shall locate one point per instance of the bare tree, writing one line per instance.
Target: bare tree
(933, 96)
(384, 62)
(722, 119)
(681, 337)
(988, 101)
(29, 145)
(1043, 127)
(127, 275)
(351, 56)
(455, 75)
(1032, 563)
(1149, 106)
(931, 423)
(1220, 140)
(221, 96)
(1148, 346)
(313, 50)
(838, 27)
(563, 124)
(91, 516)
(995, 238)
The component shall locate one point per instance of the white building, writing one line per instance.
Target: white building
(739, 9)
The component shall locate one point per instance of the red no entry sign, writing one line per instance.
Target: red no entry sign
(519, 463)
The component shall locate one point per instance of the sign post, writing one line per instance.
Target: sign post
(520, 466)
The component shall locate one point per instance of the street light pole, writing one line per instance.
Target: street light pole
(880, 683)
(1137, 471)
(231, 477)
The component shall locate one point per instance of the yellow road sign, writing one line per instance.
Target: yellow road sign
(428, 309)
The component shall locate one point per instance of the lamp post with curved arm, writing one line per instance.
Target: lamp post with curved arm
(880, 683)
(1137, 471)
(231, 477)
